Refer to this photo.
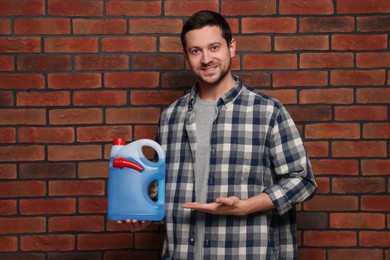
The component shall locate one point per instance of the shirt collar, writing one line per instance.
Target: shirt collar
(226, 99)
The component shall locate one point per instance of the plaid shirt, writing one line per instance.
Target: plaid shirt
(255, 148)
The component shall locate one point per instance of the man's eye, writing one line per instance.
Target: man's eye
(215, 47)
(194, 52)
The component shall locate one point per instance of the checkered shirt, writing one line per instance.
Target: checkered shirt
(255, 148)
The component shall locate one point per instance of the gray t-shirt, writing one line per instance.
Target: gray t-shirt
(205, 114)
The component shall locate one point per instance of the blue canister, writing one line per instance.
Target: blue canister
(129, 179)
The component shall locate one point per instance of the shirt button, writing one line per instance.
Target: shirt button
(211, 181)
(192, 240)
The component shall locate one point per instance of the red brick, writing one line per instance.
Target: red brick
(306, 42)
(311, 253)
(7, 171)
(115, 62)
(332, 131)
(246, 8)
(357, 77)
(373, 60)
(359, 149)
(269, 61)
(5, 26)
(74, 81)
(269, 25)
(330, 238)
(326, 24)
(373, 23)
(361, 113)
(157, 62)
(74, 255)
(332, 203)
(75, 115)
(92, 205)
(94, 26)
(326, 60)
(8, 207)
(357, 220)
(8, 244)
(253, 43)
(306, 7)
(155, 26)
(129, 44)
(373, 96)
(335, 167)
(7, 135)
(375, 203)
(358, 253)
(74, 153)
(20, 44)
(170, 44)
(134, 115)
(104, 241)
(129, 8)
(58, 98)
(22, 116)
(164, 97)
(376, 130)
(317, 149)
(149, 240)
(47, 206)
(42, 26)
(178, 79)
(362, 7)
(131, 79)
(285, 96)
(374, 238)
(44, 63)
(47, 170)
(22, 7)
(93, 134)
(358, 185)
(22, 225)
(71, 45)
(47, 243)
(80, 187)
(22, 153)
(76, 224)
(144, 131)
(22, 189)
(323, 185)
(75, 7)
(300, 78)
(87, 170)
(6, 63)
(99, 98)
(46, 135)
(258, 79)
(6, 99)
(375, 167)
(309, 113)
(326, 96)
(187, 8)
(359, 42)
(22, 81)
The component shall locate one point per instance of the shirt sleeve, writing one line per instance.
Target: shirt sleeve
(294, 178)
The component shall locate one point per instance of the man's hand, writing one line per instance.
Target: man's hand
(135, 225)
(233, 205)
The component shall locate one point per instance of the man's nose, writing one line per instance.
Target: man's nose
(206, 57)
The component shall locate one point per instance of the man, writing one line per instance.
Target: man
(235, 162)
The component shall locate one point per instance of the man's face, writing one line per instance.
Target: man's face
(208, 54)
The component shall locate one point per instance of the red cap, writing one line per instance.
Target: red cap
(119, 141)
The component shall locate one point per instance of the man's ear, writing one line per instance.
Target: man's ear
(232, 48)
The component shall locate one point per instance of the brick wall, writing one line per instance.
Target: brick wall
(76, 73)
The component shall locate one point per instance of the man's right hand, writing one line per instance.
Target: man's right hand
(135, 225)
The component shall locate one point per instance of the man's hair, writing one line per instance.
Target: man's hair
(206, 18)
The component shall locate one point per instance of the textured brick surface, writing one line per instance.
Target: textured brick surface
(76, 73)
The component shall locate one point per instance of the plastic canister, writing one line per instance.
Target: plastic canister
(129, 178)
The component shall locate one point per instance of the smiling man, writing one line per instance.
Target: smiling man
(235, 163)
